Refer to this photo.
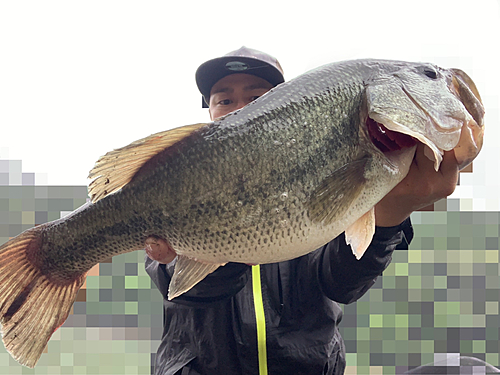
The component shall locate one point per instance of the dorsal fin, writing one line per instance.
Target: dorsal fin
(117, 168)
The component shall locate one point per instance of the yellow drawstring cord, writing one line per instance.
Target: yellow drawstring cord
(260, 319)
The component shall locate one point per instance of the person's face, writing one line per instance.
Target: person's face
(234, 92)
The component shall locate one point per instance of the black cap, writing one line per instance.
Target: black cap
(243, 60)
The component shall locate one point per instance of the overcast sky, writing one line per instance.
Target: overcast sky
(78, 79)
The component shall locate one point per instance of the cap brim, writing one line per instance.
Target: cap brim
(210, 72)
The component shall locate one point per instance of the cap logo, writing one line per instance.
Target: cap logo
(236, 66)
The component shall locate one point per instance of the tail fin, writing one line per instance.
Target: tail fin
(31, 306)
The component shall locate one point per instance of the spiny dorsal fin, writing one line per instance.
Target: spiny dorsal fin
(359, 235)
(336, 193)
(187, 273)
(116, 169)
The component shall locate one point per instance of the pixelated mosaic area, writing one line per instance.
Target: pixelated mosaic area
(437, 300)
(116, 323)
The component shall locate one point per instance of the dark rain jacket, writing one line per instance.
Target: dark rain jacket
(211, 329)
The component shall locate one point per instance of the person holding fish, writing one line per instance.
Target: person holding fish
(283, 317)
(258, 223)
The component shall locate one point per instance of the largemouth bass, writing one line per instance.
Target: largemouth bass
(267, 183)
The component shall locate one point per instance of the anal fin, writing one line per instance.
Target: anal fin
(187, 273)
(359, 235)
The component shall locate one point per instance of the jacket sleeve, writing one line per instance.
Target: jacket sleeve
(223, 283)
(345, 279)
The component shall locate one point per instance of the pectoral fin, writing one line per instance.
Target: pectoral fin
(359, 235)
(334, 195)
(187, 273)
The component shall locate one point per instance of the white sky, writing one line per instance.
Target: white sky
(78, 79)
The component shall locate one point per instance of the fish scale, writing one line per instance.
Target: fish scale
(270, 182)
(266, 185)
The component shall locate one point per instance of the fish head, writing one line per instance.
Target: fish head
(438, 107)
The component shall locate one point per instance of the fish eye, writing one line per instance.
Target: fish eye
(430, 72)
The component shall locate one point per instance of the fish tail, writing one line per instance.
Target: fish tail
(32, 306)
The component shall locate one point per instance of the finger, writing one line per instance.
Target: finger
(152, 241)
(152, 249)
(157, 245)
(421, 160)
(149, 251)
(159, 249)
(449, 171)
(449, 165)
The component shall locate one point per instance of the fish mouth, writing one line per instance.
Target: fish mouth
(387, 140)
(463, 134)
(403, 134)
(466, 91)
